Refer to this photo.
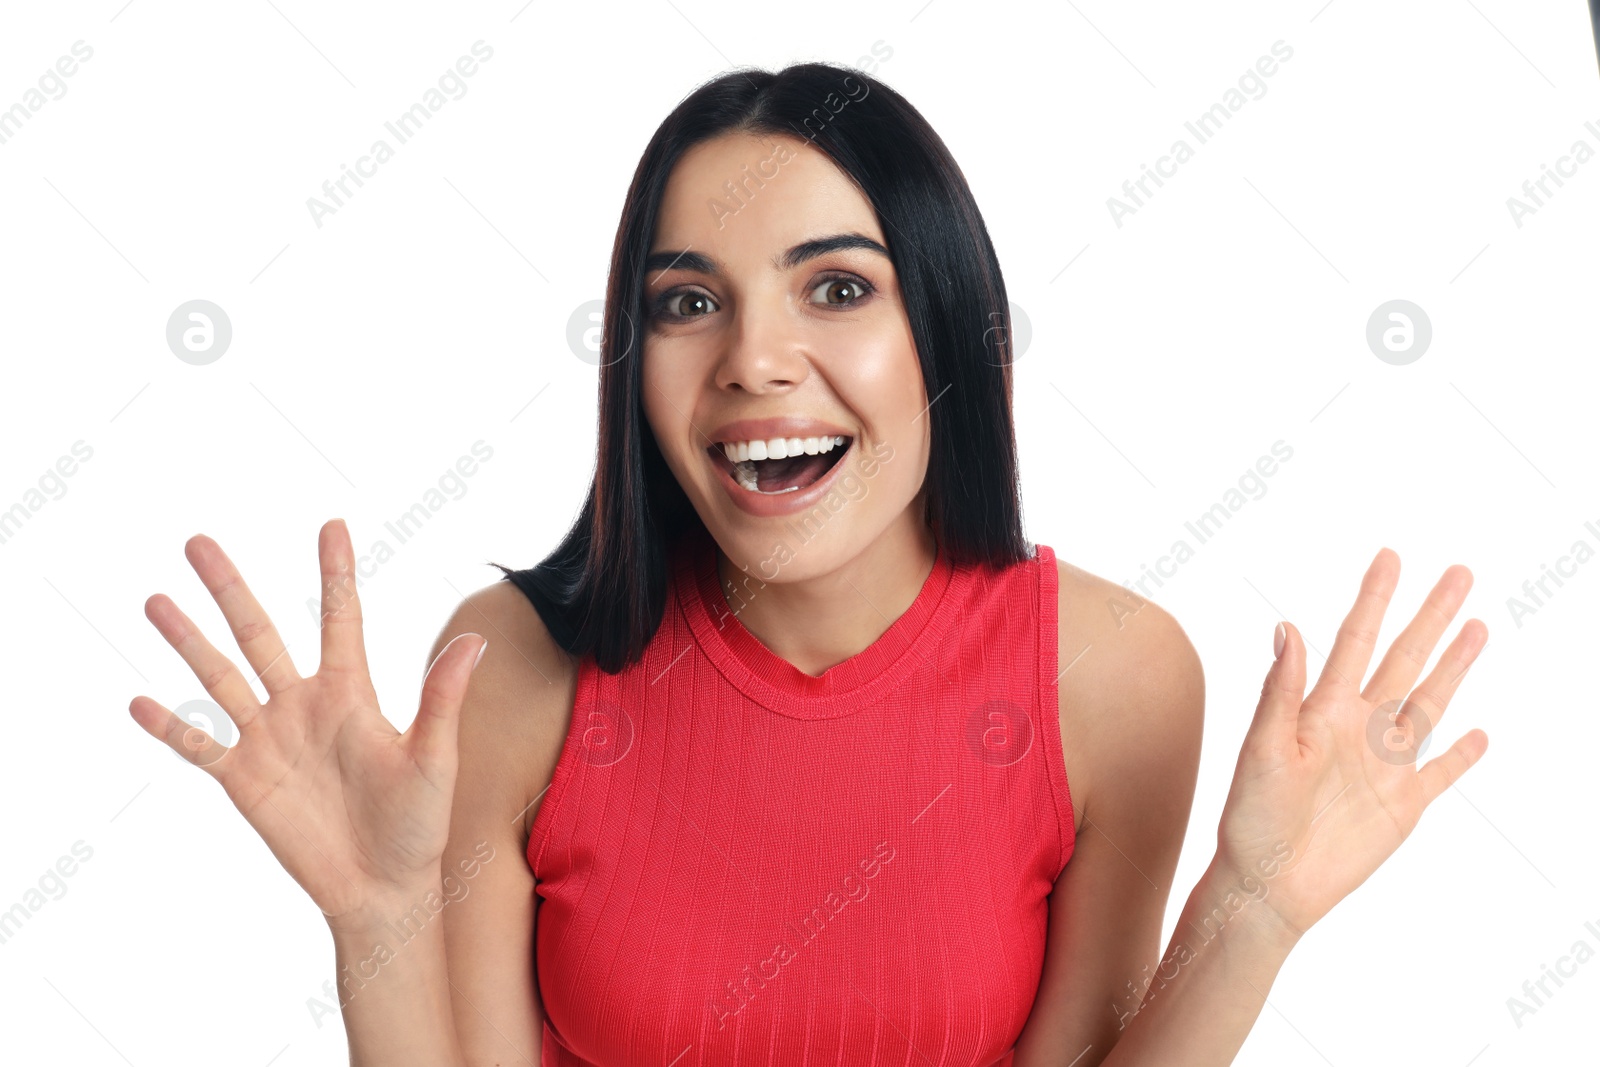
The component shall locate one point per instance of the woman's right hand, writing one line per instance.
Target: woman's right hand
(357, 812)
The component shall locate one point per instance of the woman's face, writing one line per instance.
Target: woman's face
(765, 325)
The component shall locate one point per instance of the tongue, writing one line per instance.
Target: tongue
(773, 475)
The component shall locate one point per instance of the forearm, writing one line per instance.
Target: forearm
(394, 988)
(1211, 983)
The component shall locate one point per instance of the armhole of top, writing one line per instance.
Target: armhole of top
(556, 791)
(1047, 588)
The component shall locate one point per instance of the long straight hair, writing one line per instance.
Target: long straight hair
(603, 590)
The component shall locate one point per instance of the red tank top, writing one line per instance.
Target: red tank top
(740, 863)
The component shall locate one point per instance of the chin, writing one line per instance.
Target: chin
(792, 549)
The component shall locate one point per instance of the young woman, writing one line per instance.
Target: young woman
(769, 761)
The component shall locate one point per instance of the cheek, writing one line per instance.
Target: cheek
(883, 382)
(670, 384)
(663, 397)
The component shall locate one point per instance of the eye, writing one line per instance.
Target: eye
(841, 290)
(681, 304)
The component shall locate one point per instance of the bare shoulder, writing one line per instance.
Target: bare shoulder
(518, 705)
(1132, 689)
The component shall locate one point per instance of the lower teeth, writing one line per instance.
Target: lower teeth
(744, 472)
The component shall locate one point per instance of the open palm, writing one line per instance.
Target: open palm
(356, 811)
(1327, 786)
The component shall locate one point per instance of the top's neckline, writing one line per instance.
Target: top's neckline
(779, 685)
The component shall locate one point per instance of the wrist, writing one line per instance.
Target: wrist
(381, 910)
(1245, 897)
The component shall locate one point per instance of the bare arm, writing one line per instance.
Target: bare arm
(357, 812)
(1212, 982)
(1324, 791)
(512, 729)
(470, 971)
(374, 824)
(1132, 703)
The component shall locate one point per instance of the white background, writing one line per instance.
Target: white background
(431, 311)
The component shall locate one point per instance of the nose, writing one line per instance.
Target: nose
(765, 350)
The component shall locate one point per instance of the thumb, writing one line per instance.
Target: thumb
(432, 736)
(1278, 713)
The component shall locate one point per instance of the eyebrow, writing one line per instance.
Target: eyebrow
(800, 253)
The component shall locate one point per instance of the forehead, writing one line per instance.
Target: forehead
(744, 196)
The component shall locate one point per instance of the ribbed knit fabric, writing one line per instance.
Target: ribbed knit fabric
(743, 864)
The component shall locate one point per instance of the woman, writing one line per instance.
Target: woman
(779, 739)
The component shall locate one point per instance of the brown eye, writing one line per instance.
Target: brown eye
(840, 291)
(681, 305)
(688, 305)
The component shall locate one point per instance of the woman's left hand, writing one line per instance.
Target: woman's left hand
(1327, 786)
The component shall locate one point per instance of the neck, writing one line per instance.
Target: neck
(819, 622)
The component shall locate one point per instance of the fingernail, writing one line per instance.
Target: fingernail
(481, 650)
(1278, 637)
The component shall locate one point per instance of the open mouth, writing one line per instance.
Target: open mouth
(781, 465)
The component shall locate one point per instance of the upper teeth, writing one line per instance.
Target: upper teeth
(778, 448)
